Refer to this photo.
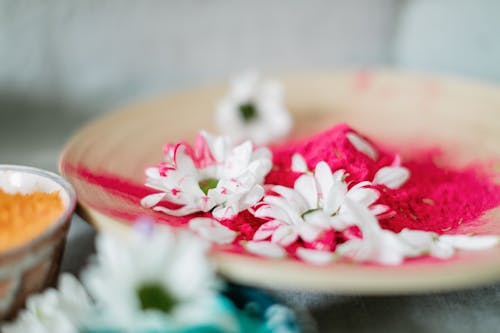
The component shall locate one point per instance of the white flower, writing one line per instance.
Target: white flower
(54, 311)
(315, 204)
(152, 281)
(212, 230)
(254, 110)
(216, 176)
(389, 248)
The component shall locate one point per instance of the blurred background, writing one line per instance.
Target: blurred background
(70, 60)
(65, 62)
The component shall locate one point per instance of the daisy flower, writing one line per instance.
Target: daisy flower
(254, 110)
(152, 281)
(315, 204)
(215, 176)
(54, 311)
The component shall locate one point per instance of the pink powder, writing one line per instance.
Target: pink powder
(439, 198)
(435, 198)
(333, 147)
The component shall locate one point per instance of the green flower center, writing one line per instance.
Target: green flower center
(208, 184)
(153, 296)
(248, 112)
(312, 210)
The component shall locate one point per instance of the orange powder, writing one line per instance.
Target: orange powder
(25, 216)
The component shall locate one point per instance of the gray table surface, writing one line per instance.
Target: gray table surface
(36, 139)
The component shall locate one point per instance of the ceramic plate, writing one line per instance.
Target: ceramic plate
(105, 162)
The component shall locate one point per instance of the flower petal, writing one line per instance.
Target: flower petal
(284, 235)
(419, 241)
(293, 197)
(392, 177)
(266, 230)
(334, 197)
(307, 232)
(152, 173)
(185, 210)
(466, 242)
(152, 199)
(299, 163)
(377, 245)
(183, 161)
(317, 218)
(265, 249)
(212, 230)
(306, 186)
(363, 196)
(292, 209)
(378, 209)
(253, 196)
(314, 256)
(271, 212)
(441, 250)
(362, 145)
(238, 160)
(324, 178)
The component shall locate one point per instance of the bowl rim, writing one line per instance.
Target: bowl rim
(65, 216)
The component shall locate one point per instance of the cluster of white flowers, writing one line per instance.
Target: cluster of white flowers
(318, 203)
(54, 311)
(140, 282)
(152, 280)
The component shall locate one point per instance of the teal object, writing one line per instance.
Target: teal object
(252, 309)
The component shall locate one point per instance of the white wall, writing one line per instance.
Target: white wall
(93, 55)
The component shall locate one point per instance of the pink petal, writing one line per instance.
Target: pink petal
(203, 154)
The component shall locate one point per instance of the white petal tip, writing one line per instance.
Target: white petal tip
(212, 230)
(315, 257)
(392, 177)
(362, 145)
(265, 249)
(299, 163)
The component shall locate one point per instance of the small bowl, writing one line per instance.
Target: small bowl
(34, 265)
